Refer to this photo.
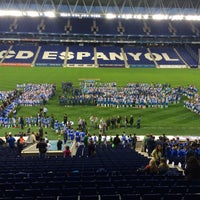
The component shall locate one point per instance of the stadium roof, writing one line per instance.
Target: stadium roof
(119, 3)
(105, 6)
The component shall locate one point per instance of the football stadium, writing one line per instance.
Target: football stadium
(100, 99)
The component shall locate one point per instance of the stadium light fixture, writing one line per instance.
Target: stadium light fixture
(110, 16)
(65, 14)
(145, 16)
(176, 17)
(95, 15)
(126, 16)
(32, 13)
(15, 13)
(160, 17)
(49, 14)
(139, 16)
(193, 17)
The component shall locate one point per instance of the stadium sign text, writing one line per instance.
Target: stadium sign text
(81, 56)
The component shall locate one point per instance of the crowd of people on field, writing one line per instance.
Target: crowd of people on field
(193, 102)
(25, 95)
(35, 94)
(8, 102)
(139, 95)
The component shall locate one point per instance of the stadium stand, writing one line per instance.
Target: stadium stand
(162, 30)
(56, 25)
(81, 26)
(51, 55)
(110, 174)
(6, 24)
(110, 56)
(133, 27)
(180, 56)
(29, 25)
(81, 55)
(103, 27)
(20, 54)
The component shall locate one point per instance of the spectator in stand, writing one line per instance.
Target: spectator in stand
(42, 146)
(48, 145)
(41, 132)
(134, 141)
(157, 154)
(163, 166)
(66, 152)
(11, 141)
(192, 170)
(91, 148)
(59, 144)
(31, 138)
(150, 144)
(152, 167)
(192, 151)
(116, 141)
(20, 144)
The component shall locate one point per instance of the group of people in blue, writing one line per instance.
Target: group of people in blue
(172, 149)
(138, 95)
(35, 94)
(193, 102)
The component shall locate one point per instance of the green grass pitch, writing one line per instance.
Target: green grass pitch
(176, 120)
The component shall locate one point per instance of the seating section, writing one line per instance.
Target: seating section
(138, 56)
(110, 174)
(98, 26)
(166, 56)
(133, 27)
(103, 26)
(162, 30)
(81, 26)
(80, 55)
(7, 24)
(55, 25)
(103, 56)
(29, 25)
(179, 29)
(51, 55)
(110, 55)
(186, 56)
(22, 54)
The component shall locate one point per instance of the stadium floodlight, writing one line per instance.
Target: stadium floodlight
(15, 13)
(32, 13)
(139, 16)
(126, 16)
(193, 17)
(49, 14)
(145, 16)
(160, 17)
(110, 16)
(95, 15)
(84, 15)
(176, 17)
(65, 14)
